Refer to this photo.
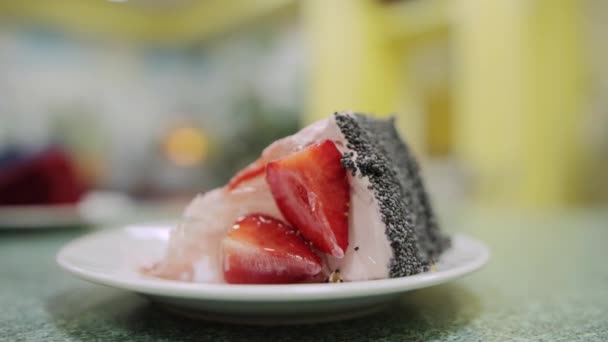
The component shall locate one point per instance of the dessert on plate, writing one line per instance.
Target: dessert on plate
(40, 178)
(340, 200)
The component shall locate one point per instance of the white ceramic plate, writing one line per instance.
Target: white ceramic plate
(96, 207)
(113, 257)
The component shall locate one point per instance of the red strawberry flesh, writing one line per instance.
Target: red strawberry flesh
(253, 170)
(311, 189)
(260, 249)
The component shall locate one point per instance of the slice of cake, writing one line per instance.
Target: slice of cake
(341, 200)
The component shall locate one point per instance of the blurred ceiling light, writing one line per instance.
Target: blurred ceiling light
(186, 146)
(159, 3)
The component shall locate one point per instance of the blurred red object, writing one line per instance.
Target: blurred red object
(49, 177)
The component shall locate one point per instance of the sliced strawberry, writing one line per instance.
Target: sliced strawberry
(260, 249)
(251, 171)
(311, 189)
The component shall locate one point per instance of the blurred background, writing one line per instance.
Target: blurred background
(505, 102)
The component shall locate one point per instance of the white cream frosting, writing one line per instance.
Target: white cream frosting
(367, 232)
(194, 254)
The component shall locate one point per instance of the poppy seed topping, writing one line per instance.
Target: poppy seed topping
(378, 153)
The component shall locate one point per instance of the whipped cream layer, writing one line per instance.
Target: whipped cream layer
(194, 250)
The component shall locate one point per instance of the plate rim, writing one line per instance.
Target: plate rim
(268, 293)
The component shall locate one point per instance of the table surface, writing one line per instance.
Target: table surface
(547, 281)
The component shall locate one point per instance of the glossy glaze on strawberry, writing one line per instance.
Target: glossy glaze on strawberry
(260, 249)
(252, 171)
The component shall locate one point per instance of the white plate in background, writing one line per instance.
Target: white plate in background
(96, 207)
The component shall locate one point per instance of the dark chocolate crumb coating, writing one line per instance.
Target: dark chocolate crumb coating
(394, 177)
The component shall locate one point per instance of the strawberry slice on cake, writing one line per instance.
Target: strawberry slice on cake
(311, 189)
(343, 194)
(260, 249)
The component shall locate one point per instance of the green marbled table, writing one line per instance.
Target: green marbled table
(547, 281)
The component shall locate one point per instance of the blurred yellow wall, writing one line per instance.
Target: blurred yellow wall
(517, 85)
(519, 91)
